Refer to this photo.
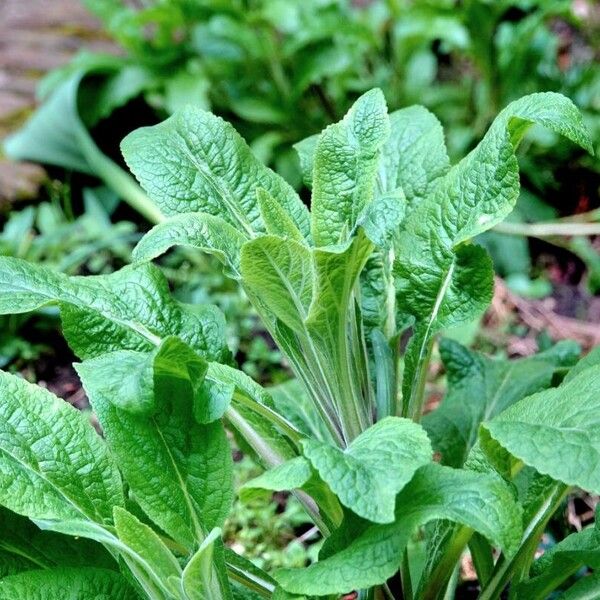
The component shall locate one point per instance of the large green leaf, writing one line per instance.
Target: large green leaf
(373, 555)
(66, 583)
(442, 281)
(369, 473)
(129, 309)
(195, 161)
(479, 388)
(179, 471)
(53, 464)
(556, 431)
(345, 168)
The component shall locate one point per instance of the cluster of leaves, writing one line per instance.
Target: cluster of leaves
(260, 64)
(386, 246)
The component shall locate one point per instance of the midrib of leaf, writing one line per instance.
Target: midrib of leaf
(219, 190)
(417, 385)
(20, 552)
(188, 500)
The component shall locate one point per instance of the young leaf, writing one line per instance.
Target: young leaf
(481, 502)
(556, 431)
(196, 162)
(200, 579)
(206, 232)
(306, 149)
(290, 475)
(129, 309)
(479, 388)
(147, 544)
(276, 219)
(280, 273)
(414, 156)
(53, 464)
(66, 583)
(345, 168)
(369, 473)
(180, 472)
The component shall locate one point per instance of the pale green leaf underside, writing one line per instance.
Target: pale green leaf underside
(53, 464)
(129, 309)
(557, 431)
(290, 475)
(196, 162)
(206, 232)
(481, 502)
(367, 476)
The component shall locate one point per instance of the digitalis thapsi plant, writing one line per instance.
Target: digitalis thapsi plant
(385, 249)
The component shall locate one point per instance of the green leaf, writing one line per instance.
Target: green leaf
(66, 583)
(587, 588)
(130, 309)
(306, 149)
(197, 230)
(345, 168)
(139, 382)
(290, 399)
(276, 219)
(479, 388)
(290, 475)
(369, 473)
(200, 579)
(179, 471)
(147, 544)
(196, 162)
(442, 281)
(556, 431)
(37, 548)
(279, 274)
(381, 219)
(53, 464)
(414, 156)
(560, 562)
(482, 502)
(56, 135)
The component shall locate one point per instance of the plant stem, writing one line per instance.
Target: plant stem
(414, 408)
(548, 229)
(505, 568)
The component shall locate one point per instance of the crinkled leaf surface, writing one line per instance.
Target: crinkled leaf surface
(129, 309)
(479, 388)
(414, 156)
(53, 464)
(556, 431)
(345, 168)
(472, 197)
(66, 583)
(369, 473)
(180, 472)
(290, 475)
(196, 162)
(482, 502)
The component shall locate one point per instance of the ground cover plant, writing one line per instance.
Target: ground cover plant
(384, 254)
